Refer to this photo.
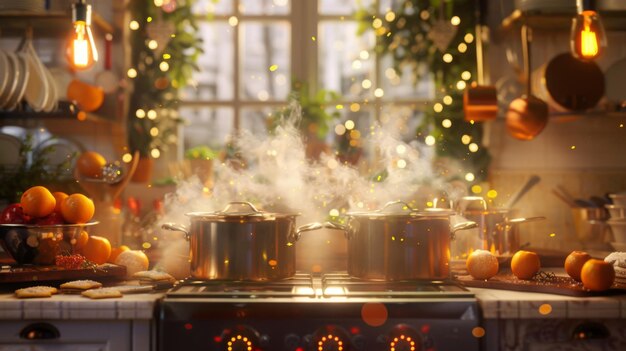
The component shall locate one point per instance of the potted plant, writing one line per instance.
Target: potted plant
(165, 47)
(315, 114)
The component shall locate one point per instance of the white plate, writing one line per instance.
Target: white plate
(14, 71)
(53, 96)
(36, 91)
(63, 149)
(4, 71)
(10, 155)
(21, 77)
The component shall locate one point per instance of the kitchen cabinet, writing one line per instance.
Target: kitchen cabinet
(40, 335)
(72, 322)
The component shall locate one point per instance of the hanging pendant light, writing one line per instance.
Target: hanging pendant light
(588, 39)
(81, 49)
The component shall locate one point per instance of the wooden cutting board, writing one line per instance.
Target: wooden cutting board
(557, 285)
(21, 274)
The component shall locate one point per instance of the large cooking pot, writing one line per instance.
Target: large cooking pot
(397, 242)
(240, 243)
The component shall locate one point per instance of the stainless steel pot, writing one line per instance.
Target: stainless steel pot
(240, 243)
(398, 243)
(498, 231)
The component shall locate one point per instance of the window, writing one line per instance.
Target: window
(253, 49)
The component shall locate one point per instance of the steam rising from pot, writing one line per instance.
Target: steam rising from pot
(278, 177)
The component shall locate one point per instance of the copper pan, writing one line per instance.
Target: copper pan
(480, 101)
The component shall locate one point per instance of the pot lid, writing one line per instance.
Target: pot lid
(402, 209)
(238, 210)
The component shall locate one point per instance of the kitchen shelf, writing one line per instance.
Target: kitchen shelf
(613, 20)
(47, 24)
(66, 111)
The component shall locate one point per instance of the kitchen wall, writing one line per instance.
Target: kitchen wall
(586, 154)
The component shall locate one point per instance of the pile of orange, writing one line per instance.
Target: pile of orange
(596, 275)
(38, 202)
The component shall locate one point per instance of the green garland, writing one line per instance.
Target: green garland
(155, 89)
(407, 39)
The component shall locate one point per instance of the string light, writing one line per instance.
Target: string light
(349, 124)
(466, 139)
(438, 107)
(354, 107)
(131, 73)
(456, 20)
(466, 75)
(140, 113)
(164, 66)
(133, 25)
(379, 92)
(462, 48)
(473, 147)
(366, 84)
(469, 38)
(152, 114)
(364, 55)
(460, 85)
(430, 140)
(390, 16)
(470, 177)
(233, 21)
(447, 58)
(155, 153)
(446, 123)
(126, 158)
(447, 99)
(153, 44)
(377, 23)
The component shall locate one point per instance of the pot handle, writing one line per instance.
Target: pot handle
(521, 220)
(462, 226)
(176, 228)
(240, 203)
(318, 225)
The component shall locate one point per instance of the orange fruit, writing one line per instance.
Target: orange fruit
(116, 251)
(90, 164)
(525, 264)
(482, 264)
(38, 202)
(97, 249)
(77, 208)
(574, 263)
(597, 275)
(59, 196)
(80, 241)
(134, 261)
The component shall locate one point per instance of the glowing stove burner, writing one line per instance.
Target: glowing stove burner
(330, 342)
(404, 338)
(239, 342)
(402, 343)
(331, 338)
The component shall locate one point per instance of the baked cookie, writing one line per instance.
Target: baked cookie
(154, 276)
(35, 291)
(102, 293)
(78, 286)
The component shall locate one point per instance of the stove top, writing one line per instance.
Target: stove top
(325, 312)
(328, 285)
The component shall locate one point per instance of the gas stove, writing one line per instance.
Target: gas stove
(323, 312)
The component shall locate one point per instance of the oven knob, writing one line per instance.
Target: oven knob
(403, 338)
(292, 341)
(331, 338)
(240, 338)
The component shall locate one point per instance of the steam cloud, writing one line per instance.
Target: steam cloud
(278, 177)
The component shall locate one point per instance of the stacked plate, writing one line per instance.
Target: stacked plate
(617, 221)
(24, 77)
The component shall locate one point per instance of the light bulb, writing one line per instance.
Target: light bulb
(588, 39)
(81, 50)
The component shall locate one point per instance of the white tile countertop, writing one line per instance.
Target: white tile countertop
(66, 306)
(506, 304)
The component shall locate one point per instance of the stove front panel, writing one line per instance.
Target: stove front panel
(318, 325)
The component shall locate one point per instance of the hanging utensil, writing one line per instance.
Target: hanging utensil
(530, 183)
(106, 79)
(527, 116)
(480, 101)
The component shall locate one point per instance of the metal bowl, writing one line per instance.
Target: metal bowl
(39, 244)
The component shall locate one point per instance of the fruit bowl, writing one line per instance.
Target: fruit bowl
(40, 244)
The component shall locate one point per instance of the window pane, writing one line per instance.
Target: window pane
(265, 7)
(342, 7)
(214, 81)
(401, 86)
(403, 119)
(350, 132)
(222, 7)
(256, 120)
(207, 126)
(345, 64)
(265, 59)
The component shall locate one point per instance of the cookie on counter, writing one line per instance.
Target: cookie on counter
(102, 293)
(35, 291)
(78, 286)
(153, 276)
(618, 260)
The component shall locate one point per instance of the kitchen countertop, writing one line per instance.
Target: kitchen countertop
(495, 304)
(506, 304)
(65, 306)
